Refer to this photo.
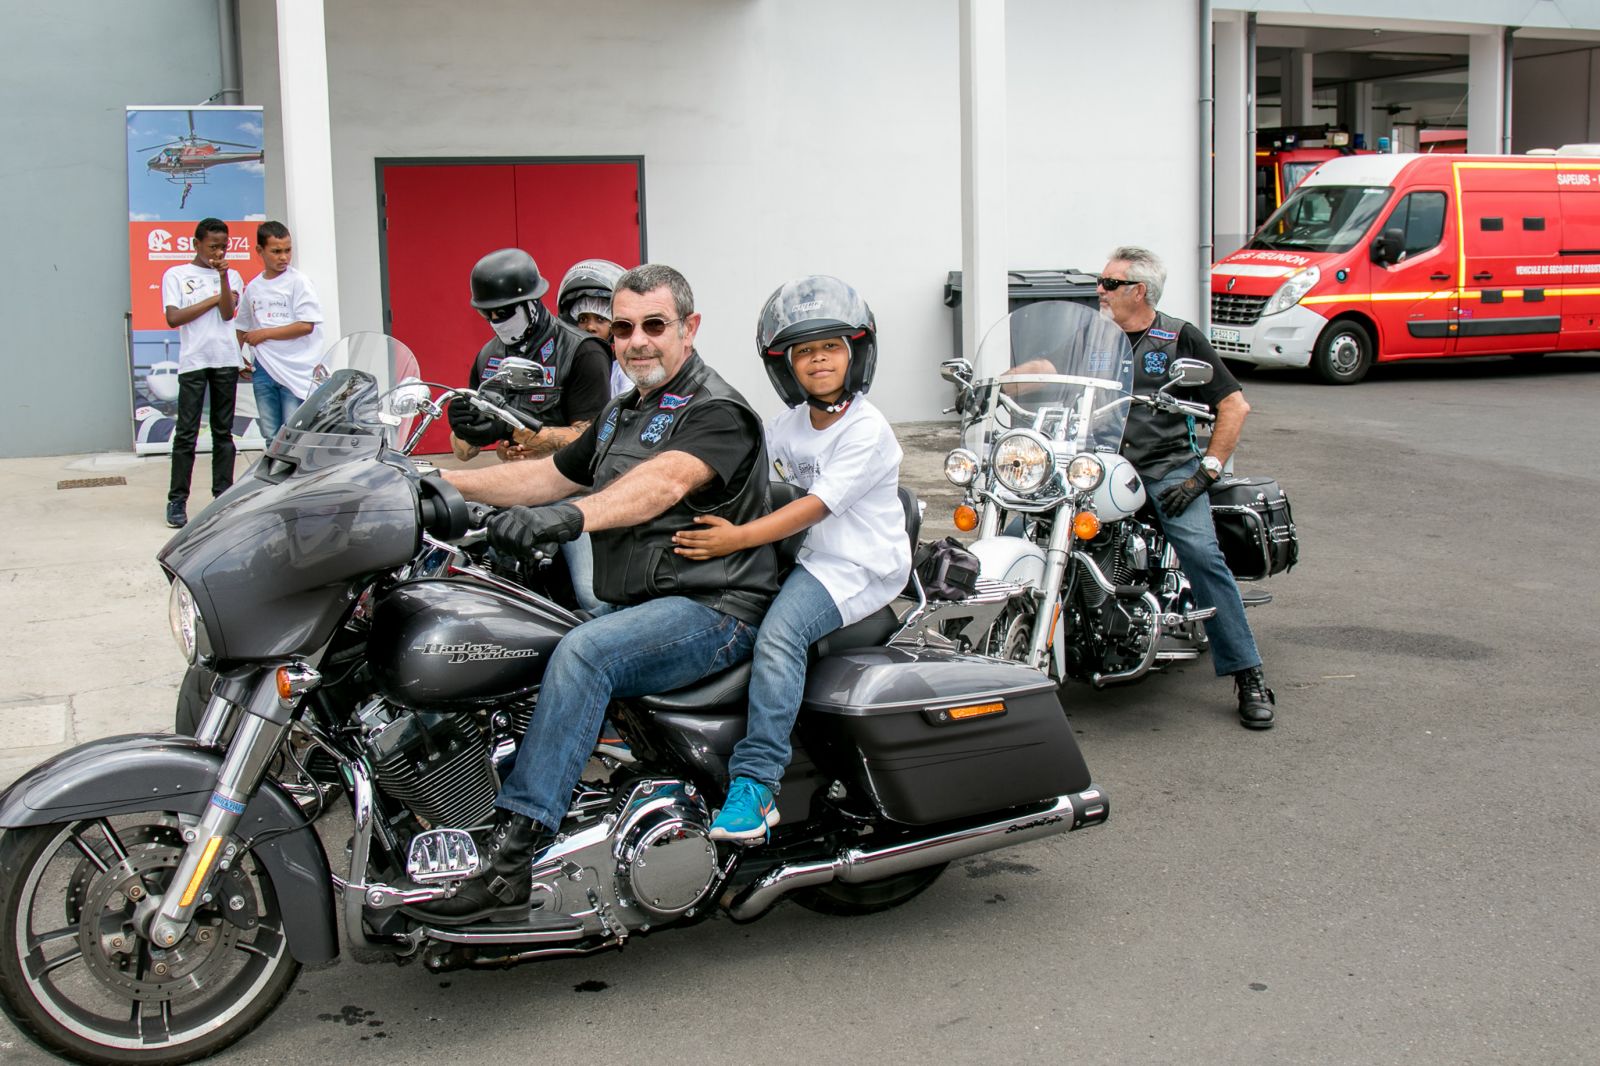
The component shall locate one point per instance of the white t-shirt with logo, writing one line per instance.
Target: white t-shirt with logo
(858, 552)
(282, 301)
(209, 340)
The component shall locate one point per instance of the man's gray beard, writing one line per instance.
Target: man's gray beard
(648, 378)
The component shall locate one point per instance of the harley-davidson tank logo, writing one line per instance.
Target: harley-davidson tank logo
(477, 653)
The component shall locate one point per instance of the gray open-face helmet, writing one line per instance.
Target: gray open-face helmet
(808, 309)
(588, 280)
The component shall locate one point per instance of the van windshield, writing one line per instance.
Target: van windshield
(1323, 218)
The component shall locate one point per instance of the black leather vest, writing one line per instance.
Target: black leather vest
(554, 346)
(637, 564)
(1157, 441)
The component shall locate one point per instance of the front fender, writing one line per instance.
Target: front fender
(158, 772)
(1013, 559)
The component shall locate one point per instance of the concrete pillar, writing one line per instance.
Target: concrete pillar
(1356, 114)
(308, 150)
(985, 296)
(1486, 92)
(1299, 87)
(1233, 154)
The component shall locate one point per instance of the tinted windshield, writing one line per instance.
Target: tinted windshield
(1323, 218)
(352, 411)
(1057, 367)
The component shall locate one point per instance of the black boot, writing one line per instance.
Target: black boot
(504, 885)
(1255, 699)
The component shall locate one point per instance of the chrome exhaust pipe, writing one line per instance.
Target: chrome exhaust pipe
(856, 865)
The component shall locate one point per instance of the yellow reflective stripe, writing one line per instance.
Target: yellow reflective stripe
(1461, 229)
(1442, 294)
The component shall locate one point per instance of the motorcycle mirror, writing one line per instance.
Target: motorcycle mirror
(1387, 246)
(519, 374)
(1189, 373)
(408, 397)
(956, 371)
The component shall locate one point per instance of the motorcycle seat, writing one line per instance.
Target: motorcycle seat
(724, 693)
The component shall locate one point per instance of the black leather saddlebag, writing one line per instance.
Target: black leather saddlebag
(1255, 526)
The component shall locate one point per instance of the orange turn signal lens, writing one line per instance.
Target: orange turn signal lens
(966, 518)
(976, 710)
(285, 687)
(1085, 526)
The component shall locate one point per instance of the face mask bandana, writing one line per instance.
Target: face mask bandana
(512, 329)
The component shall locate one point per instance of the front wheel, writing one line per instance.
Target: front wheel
(80, 980)
(1344, 353)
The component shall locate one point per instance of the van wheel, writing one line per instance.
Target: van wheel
(1344, 353)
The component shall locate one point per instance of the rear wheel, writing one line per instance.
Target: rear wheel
(1344, 353)
(844, 899)
(79, 979)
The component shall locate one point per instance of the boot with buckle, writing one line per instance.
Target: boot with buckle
(503, 887)
(1256, 700)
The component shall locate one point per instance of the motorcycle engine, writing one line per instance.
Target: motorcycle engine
(437, 765)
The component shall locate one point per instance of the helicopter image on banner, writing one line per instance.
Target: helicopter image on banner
(185, 159)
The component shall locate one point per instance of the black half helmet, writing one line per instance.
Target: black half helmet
(588, 279)
(809, 309)
(506, 277)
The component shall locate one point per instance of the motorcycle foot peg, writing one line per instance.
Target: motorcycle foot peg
(1199, 614)
(442, 855)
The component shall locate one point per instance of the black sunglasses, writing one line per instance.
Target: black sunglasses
(655, 326)
(1113, 284)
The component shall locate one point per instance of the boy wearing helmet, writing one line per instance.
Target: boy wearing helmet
(584, 300)
(818, 341)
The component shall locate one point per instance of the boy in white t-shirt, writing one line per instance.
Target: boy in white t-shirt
(818, 340)
(200, 298)
(281, 319)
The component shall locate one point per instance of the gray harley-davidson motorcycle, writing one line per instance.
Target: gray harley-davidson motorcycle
(1074, 575)
(159, 893)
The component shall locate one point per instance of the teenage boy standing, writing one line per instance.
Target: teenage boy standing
(280, 318)
(200, 297)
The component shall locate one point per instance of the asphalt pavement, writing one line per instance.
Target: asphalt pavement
(1402, 871)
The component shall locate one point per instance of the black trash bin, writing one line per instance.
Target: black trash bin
(1025, 287)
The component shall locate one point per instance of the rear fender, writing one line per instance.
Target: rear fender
(151, 772)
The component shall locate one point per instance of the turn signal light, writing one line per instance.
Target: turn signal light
(966, 518)
(976, 710)
(1085, 526)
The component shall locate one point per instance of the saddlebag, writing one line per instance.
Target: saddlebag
(929, 736)
(1255, 527)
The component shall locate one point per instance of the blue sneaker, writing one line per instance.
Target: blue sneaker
(177, 514)
(750, 811)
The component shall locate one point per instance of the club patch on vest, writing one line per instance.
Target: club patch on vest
(548, 350)
(609, 426)
(670, 402)
(491, 366)
(657, 429)
(1155, 362)
(1163, 335)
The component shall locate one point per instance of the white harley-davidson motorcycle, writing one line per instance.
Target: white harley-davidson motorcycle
(1074, 575)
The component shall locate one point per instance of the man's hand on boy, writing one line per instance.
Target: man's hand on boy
(714, 538)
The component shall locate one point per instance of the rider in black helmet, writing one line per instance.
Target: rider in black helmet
(506, 286)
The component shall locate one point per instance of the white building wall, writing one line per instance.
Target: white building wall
(780, 139)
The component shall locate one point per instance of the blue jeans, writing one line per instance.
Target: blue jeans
(1194, 538)
(802, 614)
(579, 555)
(654, 647)
(275, 404)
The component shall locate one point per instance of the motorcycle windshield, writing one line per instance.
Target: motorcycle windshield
(1061, 369)
(358, 409)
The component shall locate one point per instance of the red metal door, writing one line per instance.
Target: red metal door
(441, 218)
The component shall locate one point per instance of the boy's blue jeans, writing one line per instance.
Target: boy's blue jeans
(657, 646)
(1194, 538)
(802, 614)
(275, 404)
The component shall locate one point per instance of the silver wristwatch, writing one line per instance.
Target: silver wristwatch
(1212, 466)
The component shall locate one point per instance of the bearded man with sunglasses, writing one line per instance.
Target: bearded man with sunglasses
(506, 286)
(682, 443)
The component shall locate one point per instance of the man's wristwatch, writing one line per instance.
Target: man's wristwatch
(1211, 465)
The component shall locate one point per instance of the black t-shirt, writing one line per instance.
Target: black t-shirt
(1157, 442)
(583, 394)
(718, 434)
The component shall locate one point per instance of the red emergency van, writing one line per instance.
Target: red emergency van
(1381, 257)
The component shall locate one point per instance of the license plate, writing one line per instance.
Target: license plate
(1230, 336)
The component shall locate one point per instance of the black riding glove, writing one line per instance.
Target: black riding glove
(1177, 499)
(521, 531)
(474, 427)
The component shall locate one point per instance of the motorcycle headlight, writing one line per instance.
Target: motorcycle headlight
(1022, 462)
(1085, 472)
(1290, 292)
(960, 467)
(185, 619)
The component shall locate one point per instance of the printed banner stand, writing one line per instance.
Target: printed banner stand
(185, 164)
